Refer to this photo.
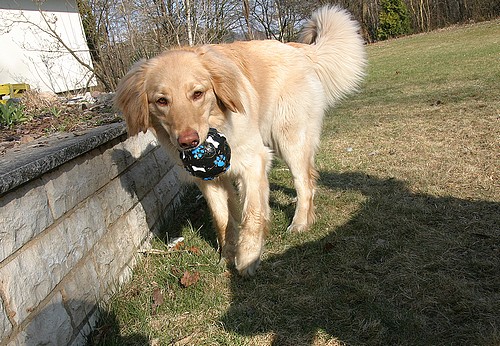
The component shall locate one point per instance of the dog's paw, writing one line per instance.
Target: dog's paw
(247, 259)
(297, 228)
(247, 268)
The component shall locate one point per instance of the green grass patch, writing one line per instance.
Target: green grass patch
(406, 247)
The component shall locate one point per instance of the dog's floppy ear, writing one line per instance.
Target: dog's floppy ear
(131, 99)
(225, 75)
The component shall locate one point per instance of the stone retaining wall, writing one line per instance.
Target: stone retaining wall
(73, 214)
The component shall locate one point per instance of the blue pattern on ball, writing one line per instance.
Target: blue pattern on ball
(220, 161)
(198, 152)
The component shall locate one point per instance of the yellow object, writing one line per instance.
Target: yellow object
(12, 90)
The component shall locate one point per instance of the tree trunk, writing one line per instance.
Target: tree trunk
(189, 24)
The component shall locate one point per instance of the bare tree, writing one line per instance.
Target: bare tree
(279, 19)
(120, 32)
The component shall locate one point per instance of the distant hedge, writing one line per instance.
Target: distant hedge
(394, 20)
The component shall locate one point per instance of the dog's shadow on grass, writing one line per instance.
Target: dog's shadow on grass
(405, 269)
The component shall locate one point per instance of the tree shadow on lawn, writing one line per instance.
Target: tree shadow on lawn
(406, 269)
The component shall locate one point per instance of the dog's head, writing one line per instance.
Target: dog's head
(181, 92)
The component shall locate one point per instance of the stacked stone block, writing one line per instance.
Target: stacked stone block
(69, 237)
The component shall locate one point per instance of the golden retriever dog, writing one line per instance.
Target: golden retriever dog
(267, 98)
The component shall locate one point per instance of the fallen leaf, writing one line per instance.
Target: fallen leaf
(194, 250)
(179, 246)
(157, 300)
(189, 279)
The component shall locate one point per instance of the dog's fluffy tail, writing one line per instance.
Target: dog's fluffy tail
(337, 50)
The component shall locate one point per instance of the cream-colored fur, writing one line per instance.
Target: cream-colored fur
(267, 98)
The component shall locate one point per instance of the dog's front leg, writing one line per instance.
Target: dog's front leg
(223, 203)
(255, 216)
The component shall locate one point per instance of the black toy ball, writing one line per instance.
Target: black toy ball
(210, 158)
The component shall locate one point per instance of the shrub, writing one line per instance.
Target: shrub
(393, 19)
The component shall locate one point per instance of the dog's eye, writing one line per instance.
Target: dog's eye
(197, 95)
(162, 101)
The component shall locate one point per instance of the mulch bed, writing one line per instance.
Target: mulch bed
(66, 117)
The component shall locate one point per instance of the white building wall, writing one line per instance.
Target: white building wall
(29, 52)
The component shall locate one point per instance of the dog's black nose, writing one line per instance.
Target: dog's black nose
(188, 139)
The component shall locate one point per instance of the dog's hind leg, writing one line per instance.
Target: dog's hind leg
(304, 177)
(296, 142)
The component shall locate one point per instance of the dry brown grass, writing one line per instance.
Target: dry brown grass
(444, 149)
(36, 102)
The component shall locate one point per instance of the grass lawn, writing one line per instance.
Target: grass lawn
(406, 249)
